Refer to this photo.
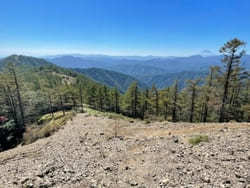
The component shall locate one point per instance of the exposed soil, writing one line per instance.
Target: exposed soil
(100, 152)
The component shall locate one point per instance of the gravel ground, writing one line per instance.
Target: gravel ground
(100, 152)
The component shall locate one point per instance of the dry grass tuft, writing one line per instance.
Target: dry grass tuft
(34, 133)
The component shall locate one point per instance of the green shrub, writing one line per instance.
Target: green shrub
(48, 117)
(9, 125)
(198, 139)
(34, 133)
(9, 135)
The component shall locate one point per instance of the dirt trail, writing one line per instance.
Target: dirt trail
(85, 153)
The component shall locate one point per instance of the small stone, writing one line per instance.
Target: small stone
(206, 180)
(108, 168)
(30, 185)
(133, 183)
(24, 180)
(207, 167)
(95, 143)
(237, 175)
(164, 182)
(175, 139)
(173, 151)
(121, 137)
(242, 180)
(101, 133)
(227, 182)
(40, 175)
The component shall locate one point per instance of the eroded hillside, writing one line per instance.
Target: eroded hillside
(101, 152)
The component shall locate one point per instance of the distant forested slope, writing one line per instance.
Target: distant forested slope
(111, 78)
(167, 79)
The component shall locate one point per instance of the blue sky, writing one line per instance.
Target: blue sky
(121, 27)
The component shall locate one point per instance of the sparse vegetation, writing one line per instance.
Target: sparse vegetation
(195, 140)
(50, 125)
(110, 115)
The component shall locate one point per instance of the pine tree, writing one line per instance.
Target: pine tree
(107, 98)
(155, 99)
(192, 87)
(100, 97)
(207, 89)
(81, 96)
(8, 101)
(12, 71)
(131, 100)
(146, 103)
(92, 96)
(233, 53)
(174, 98)
(246, 101)
(165, 102)
(116, 97)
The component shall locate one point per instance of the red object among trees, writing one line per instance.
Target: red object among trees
(3, 119)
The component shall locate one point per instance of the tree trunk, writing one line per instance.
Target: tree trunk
(225, 93)
(156, 103)
(174, 119)
(166, 111)
(18, 97)
(62, 105)
(205, 114)
(81, 99)
(117, 102)
(11, 103)
(51, 107)
(192, 105)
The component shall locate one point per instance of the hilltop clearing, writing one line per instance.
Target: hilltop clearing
(95, 151)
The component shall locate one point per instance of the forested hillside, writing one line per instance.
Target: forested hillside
(165, 80)
(111, 78)
(32, 87)
(222, 96)
(24, 62)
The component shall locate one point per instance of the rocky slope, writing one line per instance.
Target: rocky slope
(100, 152)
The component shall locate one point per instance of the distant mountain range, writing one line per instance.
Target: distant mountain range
(149, 65)
(121, 71)
(148, 70)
